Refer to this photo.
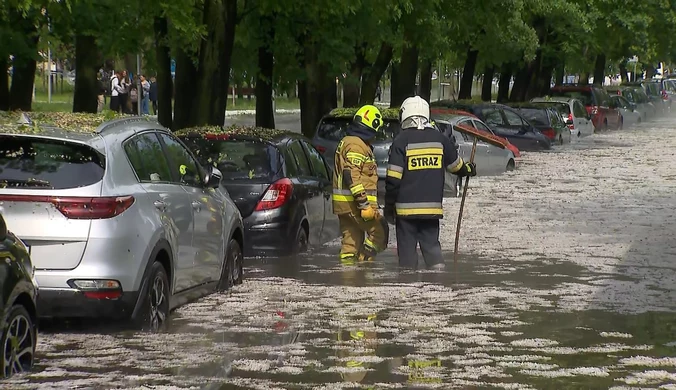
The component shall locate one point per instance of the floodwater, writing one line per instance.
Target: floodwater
(566, 280)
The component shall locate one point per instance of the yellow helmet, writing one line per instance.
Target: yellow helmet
(370, 117)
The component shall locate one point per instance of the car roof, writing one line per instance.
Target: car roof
(78, 127)
(574, 87)
(452, 118)
(533, 105)
(238, 132)
(553, 99)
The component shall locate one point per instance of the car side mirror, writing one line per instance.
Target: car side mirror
(213, 178)
(3, 229)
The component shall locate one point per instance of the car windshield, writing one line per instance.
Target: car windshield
(334, 129)
(584, 96)
(238, 159)
(37, 163)
(536, 116)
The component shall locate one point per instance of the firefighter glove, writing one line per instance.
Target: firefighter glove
(389, 214)
(467, 169)
(368, 213)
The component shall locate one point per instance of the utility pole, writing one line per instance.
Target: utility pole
(49, 63)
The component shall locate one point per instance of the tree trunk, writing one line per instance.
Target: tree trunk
(503, 83)
(584, 78)
(331, 92)
(130, 63)
(544, 81)
(87, 65)
(600, 70)
(184, 101)
(214, 58)
(425, 87)
(374, 74)
(315, 91)
(4, 83)
(468, 75)
(624, 73)
(560, 72)
(353, 81)
(394, 80)
(487, 86)
(407, 72)
(521, 82)
(164, 80)
(24, 65)
(265, 115)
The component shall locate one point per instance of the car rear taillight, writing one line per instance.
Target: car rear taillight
(321, 149)
(572, 122)
(665, 95)
(276, 196)
(619, 93)
(79, 207)
(549, 133)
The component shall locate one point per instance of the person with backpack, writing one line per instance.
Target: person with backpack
(115, 89)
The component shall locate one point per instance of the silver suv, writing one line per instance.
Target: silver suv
(120, 221)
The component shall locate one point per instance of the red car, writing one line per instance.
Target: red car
(597, 102)
(501, 140)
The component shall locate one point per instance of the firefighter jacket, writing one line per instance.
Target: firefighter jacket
(355, 177)
(416, 171)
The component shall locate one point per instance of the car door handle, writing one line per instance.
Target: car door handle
(160, 205)
(196, 205)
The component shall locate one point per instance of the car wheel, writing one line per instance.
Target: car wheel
(621, 124)
(155, 310)
(511, 165)
(235, 262)
(605, 126)
(18, 342)
(560, 140)
(301, 243)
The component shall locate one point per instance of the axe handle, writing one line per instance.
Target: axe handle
(462, 207)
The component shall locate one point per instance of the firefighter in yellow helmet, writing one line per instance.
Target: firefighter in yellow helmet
(355, 189)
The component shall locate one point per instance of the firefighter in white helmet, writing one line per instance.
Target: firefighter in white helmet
(414, 187)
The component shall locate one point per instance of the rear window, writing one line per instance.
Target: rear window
(536, 116)
(237, 159)
(584, 96)
(334, 129)
(38, 163)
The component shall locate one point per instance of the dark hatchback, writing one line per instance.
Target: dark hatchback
(19, 294)
(546, 117)
(505, 122)
(280, 183)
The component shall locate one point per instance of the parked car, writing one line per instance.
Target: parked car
(546, 118)
(597, 103)
(490, 158)
(653, 90)
(120, 219)
(19, 294)
(332, 127)
(505, 122)
(576, 117)
(636, 95)
(281, 184)
(479, 126)
(629, 110)
(667, 90)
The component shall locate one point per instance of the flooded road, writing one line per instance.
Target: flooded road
(566, 280)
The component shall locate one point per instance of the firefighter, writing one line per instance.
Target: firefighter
(414, 187)
(355, 190)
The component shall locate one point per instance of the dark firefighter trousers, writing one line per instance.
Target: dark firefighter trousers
(355, 244)
(410, 232)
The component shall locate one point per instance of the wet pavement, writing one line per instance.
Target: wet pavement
(566, 280)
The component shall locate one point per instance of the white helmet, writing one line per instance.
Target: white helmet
(412, 107)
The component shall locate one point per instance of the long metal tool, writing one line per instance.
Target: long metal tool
(462, 207)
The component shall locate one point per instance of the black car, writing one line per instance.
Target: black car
(548, 118)
(281, 184)
(505, 122)
(19, 293)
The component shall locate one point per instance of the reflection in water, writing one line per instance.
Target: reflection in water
(417, 372)
(355, 349)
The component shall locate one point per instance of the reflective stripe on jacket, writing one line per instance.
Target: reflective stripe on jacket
(355, 177)
(416, 172)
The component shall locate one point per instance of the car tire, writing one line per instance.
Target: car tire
(18, 342)
(155, 308)
(621, 126)
(233, 267)
(605, 126)
(300, 245)
(511, 165)
(560, 140)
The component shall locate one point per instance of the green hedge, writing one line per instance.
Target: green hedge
(349, 112)
(234, 130)
(76, 122)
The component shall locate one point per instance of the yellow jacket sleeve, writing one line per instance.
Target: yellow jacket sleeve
(355, 156)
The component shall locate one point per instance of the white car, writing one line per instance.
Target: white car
(630, 115)
(577, 119)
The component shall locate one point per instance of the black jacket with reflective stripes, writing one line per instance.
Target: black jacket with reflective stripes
(416, 171)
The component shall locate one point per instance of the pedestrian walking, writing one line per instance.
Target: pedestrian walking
(115, 89)
(153, 94)
(355, 190)
(125, 84)
(145, 95)
(414, 187)
(379, 91)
